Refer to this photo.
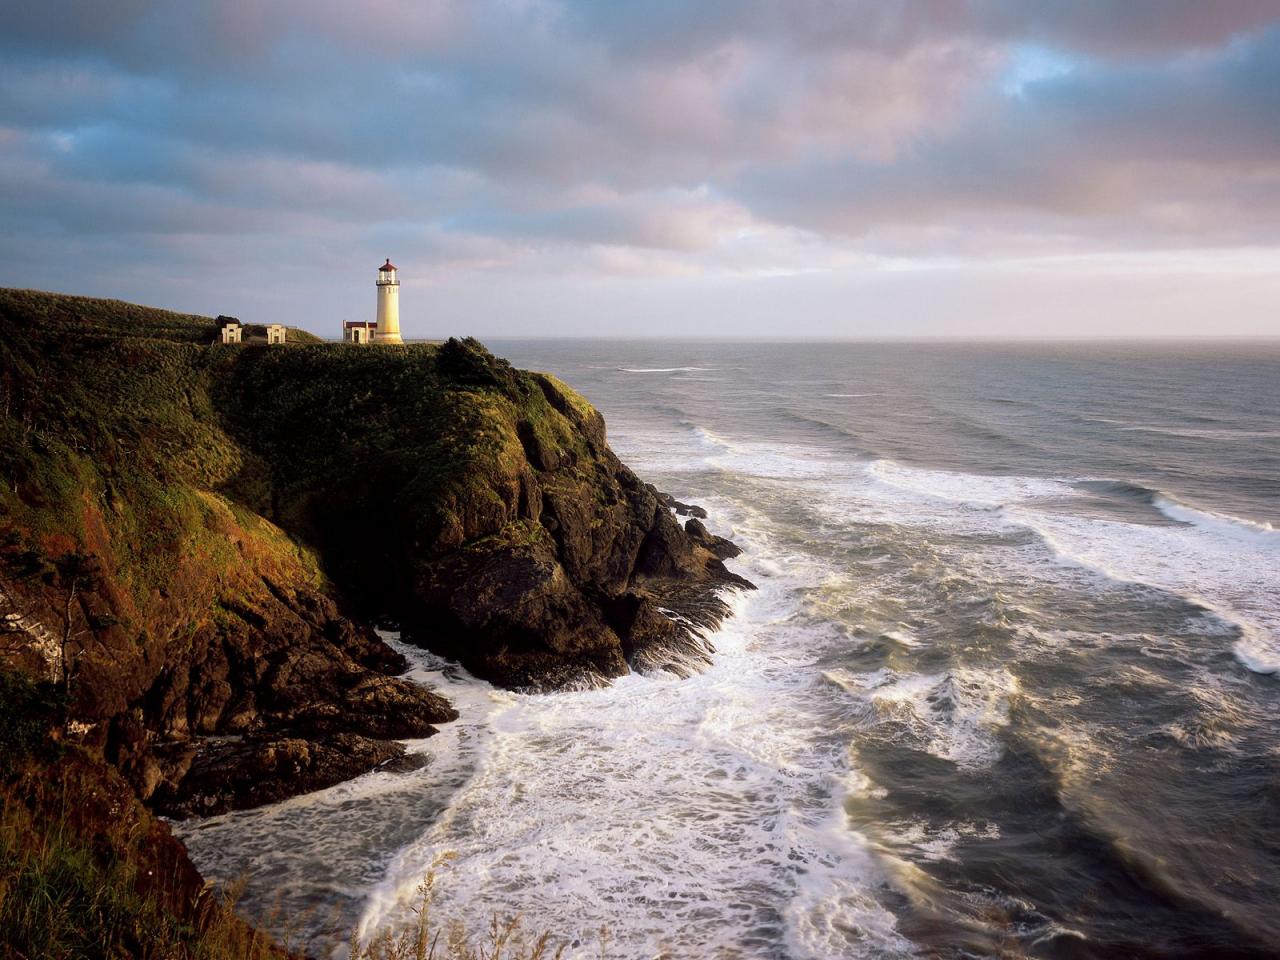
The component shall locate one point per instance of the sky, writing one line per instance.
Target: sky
(721, 168)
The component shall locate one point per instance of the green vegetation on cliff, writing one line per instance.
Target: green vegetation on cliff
(109, 441)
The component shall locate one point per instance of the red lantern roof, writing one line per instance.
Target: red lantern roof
(387, 266)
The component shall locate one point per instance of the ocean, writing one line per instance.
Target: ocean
(1010, 684)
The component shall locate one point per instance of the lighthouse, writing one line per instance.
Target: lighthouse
(388, 328)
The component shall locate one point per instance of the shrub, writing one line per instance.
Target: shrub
(29, 712)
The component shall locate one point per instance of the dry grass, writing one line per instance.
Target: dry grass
(424, 939)
(63, 896)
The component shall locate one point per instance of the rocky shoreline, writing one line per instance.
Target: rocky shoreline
(351, 720)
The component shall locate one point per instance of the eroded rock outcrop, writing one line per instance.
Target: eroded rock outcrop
(239, 773)
(250, 651)
(519, 545)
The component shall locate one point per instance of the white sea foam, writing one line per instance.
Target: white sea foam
(1227, 564)
(1258, 649)
(968, 488)
(1229, 568)
(779, 461)
(955, 715)
(904, 637)
(1207, 434)
(926, 841)
(666, 369)
(699, 817)
(1221, 524)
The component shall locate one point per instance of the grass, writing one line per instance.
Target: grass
(59, 313)
(61, 899)
(85, 871)
(112, 444)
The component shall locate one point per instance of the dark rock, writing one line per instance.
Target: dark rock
(511, 614)
(654, 640)
(282, 665)
(722, 548)
(683, 509)
(235, 775)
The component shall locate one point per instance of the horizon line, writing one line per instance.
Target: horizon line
(924, 338)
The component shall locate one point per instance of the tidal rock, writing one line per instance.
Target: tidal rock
(721, 547)
(235, 775)
(682, 509)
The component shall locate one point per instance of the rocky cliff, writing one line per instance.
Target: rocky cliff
(196, 539)
(478, 506)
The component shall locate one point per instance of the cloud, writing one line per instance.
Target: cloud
(664, 29)
(1130, 154)
(664, 139)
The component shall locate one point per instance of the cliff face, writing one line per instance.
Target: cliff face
(477, 505)
(203, 534)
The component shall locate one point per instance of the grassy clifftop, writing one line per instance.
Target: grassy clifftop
(110, 444)
(62, 314)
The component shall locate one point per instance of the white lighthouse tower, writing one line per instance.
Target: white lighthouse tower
(388, 329)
